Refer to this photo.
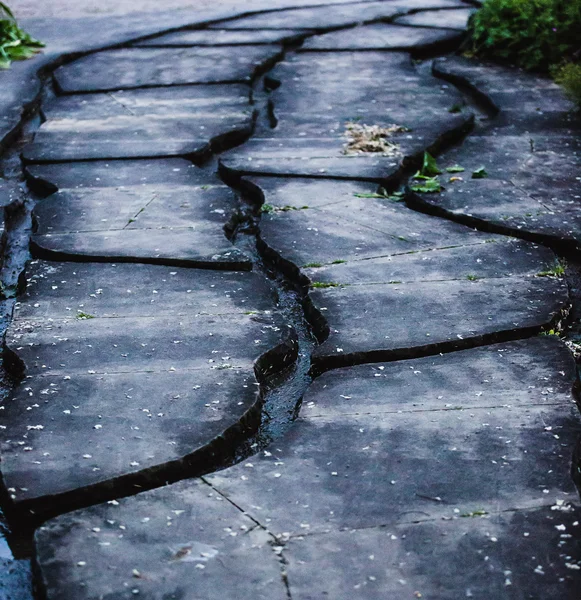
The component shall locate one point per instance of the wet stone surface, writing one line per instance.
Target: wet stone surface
(147, 67)
(375, 268)
(448, 19)
(327, 17)
(531, 156)
(190, 121)
(128, 368)
(403, 476)
(318, 125)
(382, 37)
(166, 211)
(225, 37)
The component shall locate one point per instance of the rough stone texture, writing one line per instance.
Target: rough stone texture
(182, 541)
(192, 121)
(225, 37)
(383, 37)
(533, 139)
(167, 211)
(387, 282)
(313, 114)
(130, 369)
(448, 19)
(129, 68)
(327, 17)
(366, 494)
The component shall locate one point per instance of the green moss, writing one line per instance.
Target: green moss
(83, 316)
(323, 285)
(312, 265)
(557, 270)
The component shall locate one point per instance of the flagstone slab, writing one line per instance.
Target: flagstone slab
(327, 17)
(398, 476)
(314, 128)
(383, 37)
(448, 19)
(166, 211)
(495, 556)
(225, 37)
(367, 461)
(143, 123)
(175, 542)
(160, 377)
(530, 153)
(129, 68)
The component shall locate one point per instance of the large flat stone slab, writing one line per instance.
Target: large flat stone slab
(317, 126)
(175, 542)
(390, 282)
(331, 16)
(449, 19)
(166, 212)
(225, 37)
(442, 476)
(533, 138)
(191, 121)
(149, 67)
(383, 37)
(132, 374)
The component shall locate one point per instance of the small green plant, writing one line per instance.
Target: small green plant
(427, 176)
(455, 169)
(15, 43)
(83, 316)
(479, 173)
(569, 76)
(557, 270)
(473, 277)
(339, 262)
(455, 108)
(323, 285)
(474, 513)
(312, 265)
(429, 185)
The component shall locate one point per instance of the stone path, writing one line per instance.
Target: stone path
(224, 206)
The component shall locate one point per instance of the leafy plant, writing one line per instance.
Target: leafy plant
(569, 76)
(533, 34)
(479, 173)
(15, 43)
(429, 185)
(557, 270)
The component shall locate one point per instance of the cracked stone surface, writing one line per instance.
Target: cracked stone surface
(128, 368)
(531, 155)
(447, 19)
(429, 441)
(419, 469)
(191, 121)
(165, 211)
(313, 116)
(129, 68)
(360, 251)
(327, 17)
(381, 37)
(225, 37)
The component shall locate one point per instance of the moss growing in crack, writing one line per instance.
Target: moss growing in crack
(473, 277)
(270, 208)
(312, 265)
(339, 262)
(554, 332)
(557, 270)
(324, 285)
(475, 513)
(83, 316)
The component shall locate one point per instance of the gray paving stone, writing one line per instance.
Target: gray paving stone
(521, 149)
(143, 123)
(390, 282)
(132, 373)
(449, 19)
(327, 17)
(492, 557)
(383, 37)
(446, 475)
(129, 68)
(411, 441)
(183, 541)
(312, 133)
(167, 212)
(225, 37)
